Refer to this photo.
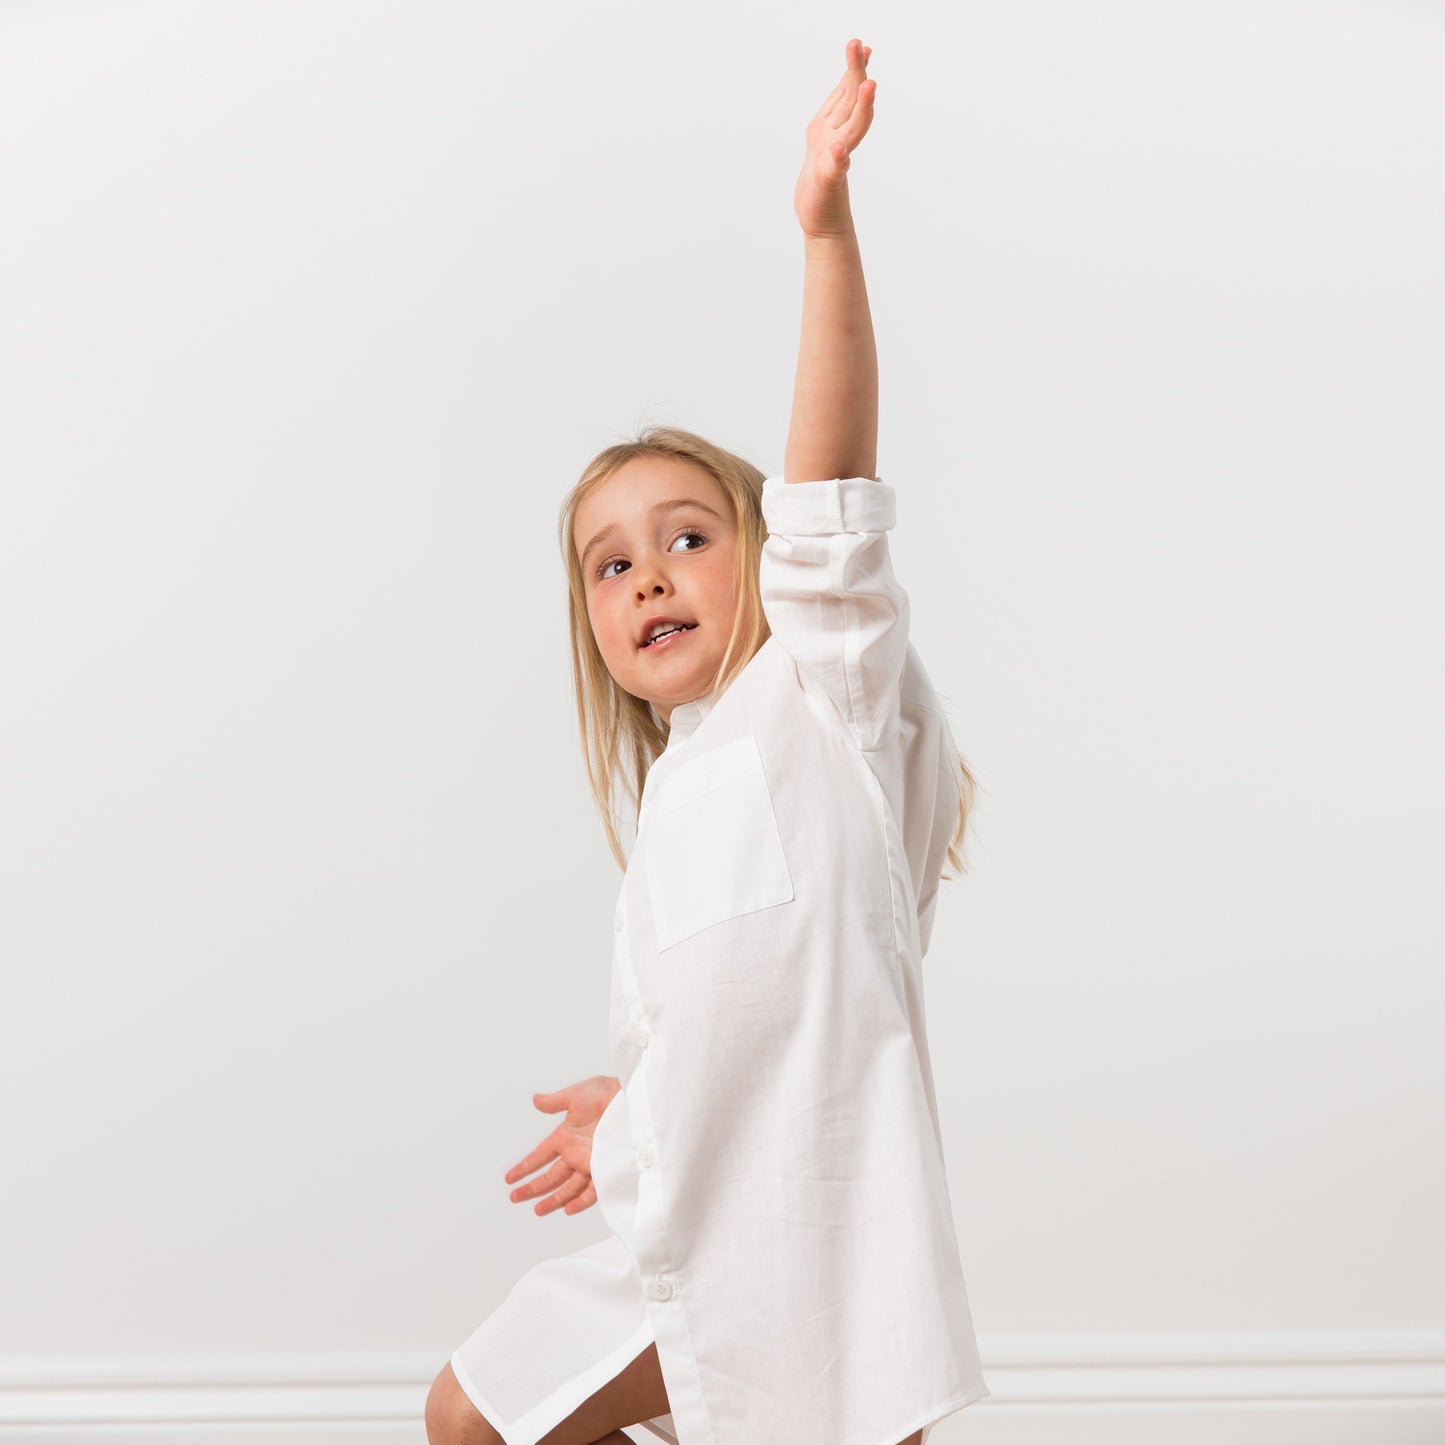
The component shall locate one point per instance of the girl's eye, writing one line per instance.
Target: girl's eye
(602, 570)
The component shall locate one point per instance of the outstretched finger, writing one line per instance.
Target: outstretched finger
(856, 126)
(833, 96)
(557, 1175)
(845, 93)
(544, 1153)
(845, 138)
(585, 1200)
(569, 1191)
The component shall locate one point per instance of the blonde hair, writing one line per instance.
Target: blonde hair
(622, 735)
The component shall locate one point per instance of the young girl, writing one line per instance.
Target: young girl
(782, 1264)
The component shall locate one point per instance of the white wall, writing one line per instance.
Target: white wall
(309, 316)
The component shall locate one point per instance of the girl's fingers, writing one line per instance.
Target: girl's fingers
(827, 106)
(844, 100)
(851, 128)
(558, 1174)
(843, 93)
(585, 1200)
(569, 1191)
(862, 116)
(544, 1153)
(855, 125)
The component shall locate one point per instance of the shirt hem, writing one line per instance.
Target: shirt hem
(931, 1417)
(531, 1427)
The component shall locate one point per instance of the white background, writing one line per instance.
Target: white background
(310, 314)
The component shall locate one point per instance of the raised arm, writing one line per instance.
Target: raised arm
(834, 426)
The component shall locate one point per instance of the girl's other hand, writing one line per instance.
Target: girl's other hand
(568, 1148)
(821, 196)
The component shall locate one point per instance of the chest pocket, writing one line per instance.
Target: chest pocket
(713, 849)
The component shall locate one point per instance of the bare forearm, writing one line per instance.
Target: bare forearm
(834, 426)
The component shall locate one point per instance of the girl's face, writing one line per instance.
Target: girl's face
(657, 539)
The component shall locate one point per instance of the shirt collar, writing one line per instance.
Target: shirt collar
(685, 718)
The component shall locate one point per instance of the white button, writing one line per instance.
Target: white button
(646, 1157)
(642, 1034)
(659, 1288)
(617, 921)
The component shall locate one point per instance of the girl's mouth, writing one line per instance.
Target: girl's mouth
(666, 639)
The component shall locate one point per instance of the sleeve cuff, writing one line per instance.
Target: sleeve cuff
(816, 509)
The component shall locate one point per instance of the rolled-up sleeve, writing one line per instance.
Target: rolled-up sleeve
(831, 598)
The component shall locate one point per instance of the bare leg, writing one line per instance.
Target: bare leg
(451, 1418)
(637, 1393)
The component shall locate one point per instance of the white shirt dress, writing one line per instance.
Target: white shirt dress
(772, 1169)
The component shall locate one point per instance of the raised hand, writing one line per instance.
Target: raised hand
(568, 1148)
(821, 196)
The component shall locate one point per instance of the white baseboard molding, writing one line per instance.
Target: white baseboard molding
(216, 1398)
(1217, 1369)
(1046, 1391)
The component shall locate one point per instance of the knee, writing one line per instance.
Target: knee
(451, 1418)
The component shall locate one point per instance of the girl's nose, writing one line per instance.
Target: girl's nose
(649, 575)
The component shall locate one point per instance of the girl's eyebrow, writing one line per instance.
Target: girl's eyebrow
(668, 506)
